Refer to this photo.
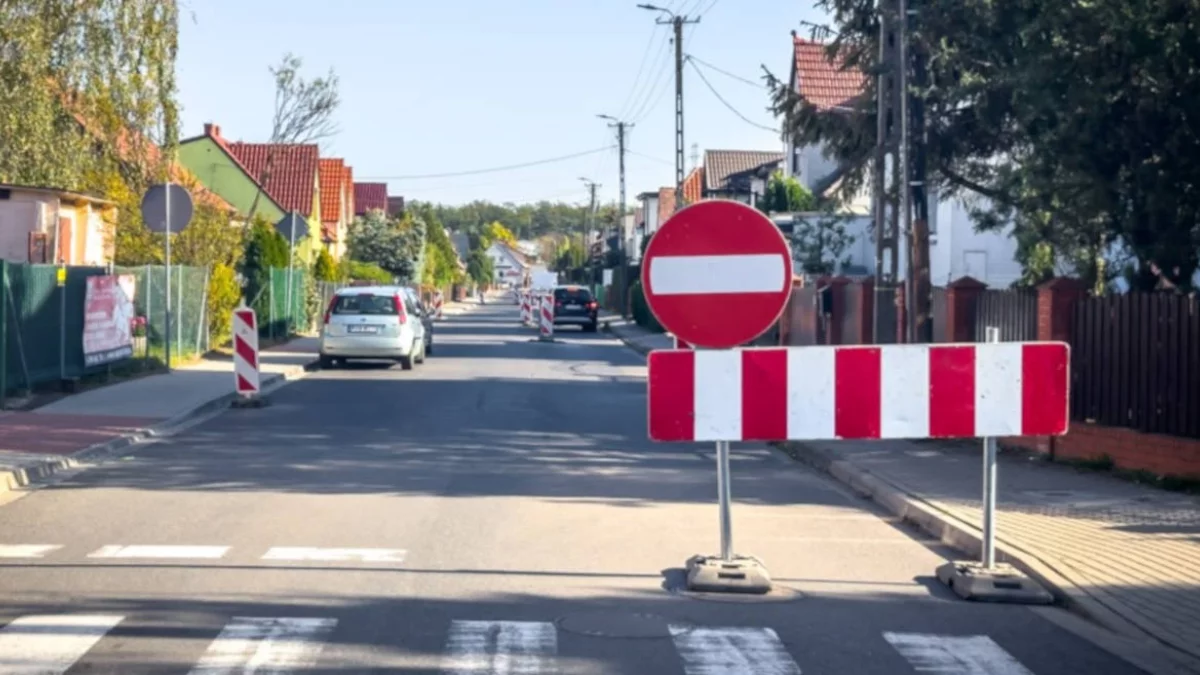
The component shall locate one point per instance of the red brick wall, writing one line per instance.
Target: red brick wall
(1128, 449)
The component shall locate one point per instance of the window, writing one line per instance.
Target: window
(573, 294)
(365, 303)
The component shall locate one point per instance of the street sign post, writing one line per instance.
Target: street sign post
(717, 274)
(167, 208)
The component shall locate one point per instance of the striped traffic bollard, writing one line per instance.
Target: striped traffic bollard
(546, 334)
(437, 305)
(246, 379)
(523, 299)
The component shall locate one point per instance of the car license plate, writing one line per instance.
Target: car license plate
(364, 329)
(573, 305)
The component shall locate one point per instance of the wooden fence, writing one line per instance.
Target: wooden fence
(1013, 312)
(1135, 362)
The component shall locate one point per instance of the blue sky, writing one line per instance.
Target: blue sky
(432, 88)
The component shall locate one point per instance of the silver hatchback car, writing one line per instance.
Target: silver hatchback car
(373, 322)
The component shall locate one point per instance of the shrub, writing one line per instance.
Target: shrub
(353, 270)
(325, 269)
(641, 310)
(224, 293)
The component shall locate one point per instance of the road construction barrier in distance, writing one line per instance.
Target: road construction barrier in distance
(245, 353)
(546, 332)
(526, 301)
(437, 305)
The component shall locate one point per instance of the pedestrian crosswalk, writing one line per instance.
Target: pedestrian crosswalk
(63, 644)
(205, 552)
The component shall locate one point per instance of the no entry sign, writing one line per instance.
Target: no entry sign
(717, 274)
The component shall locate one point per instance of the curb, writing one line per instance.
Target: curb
(12, 480)
(967, 539)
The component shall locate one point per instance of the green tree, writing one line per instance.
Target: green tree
(265, 248)
(394, 244)
(785, 194)
(325, 269)
(353, 270)
(480, 268)
(819, 243)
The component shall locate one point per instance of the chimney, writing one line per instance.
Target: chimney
(213, 130)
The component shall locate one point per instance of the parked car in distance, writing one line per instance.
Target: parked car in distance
(426, 313)
(574, 305)
(373, 323)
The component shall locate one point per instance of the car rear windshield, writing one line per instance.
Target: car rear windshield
(365, 303)
(572, 295)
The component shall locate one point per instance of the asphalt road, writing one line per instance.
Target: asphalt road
(497, 510)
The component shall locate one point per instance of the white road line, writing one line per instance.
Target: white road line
(118, 551)
(365, 555)
(732, 651)
(26, 550)
(711, 274)
(50, 644)
(277, 645)
(955, 655)
(501, 648)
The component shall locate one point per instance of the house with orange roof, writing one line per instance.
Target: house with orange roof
(955, 248)
(370, 197)
(209, 158)
(337, 204)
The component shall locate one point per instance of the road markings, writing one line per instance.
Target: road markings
(955, 655)
(501, 648)
(50, 644)
(251, 644)
(118, 551)
(732, 651)
(26, 550)
(366, 555)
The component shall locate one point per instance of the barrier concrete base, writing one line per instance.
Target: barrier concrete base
(1002, 583)
(248, 402)
(742, 574)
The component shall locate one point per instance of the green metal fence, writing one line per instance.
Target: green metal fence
(41, 322)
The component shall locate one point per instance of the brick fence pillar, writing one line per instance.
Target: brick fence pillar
(1055, 303)
(962, 297)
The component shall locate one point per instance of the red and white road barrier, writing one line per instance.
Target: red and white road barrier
(437, 305)
(245, 352)
(891, 391)
(546, 323)
(526, 299)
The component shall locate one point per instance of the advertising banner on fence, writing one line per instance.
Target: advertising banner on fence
(108, 319)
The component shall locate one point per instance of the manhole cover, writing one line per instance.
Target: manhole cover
(614, 624)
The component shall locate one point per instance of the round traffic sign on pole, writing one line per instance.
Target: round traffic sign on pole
(717, 274)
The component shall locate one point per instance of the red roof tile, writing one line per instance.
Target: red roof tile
(820, 81)
(333, 172)
(693, 186)
(293, 172)
(348, 191)
(370, 196)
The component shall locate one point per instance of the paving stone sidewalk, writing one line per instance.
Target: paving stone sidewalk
(1126, 555)
(39, 442)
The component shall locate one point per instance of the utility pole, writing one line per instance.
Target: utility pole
(677, 22)
(887, 211)
(922, 299)
(589, 223)
(622, 261)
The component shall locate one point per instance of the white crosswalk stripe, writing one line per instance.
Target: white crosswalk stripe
(955, 655)
(49, 644)
(732, 651)
(501, 648)
(26, 550)
(161, 552)
(265, 645)
(310, 554)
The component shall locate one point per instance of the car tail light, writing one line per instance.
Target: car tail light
(593, 305)
(329, 309)
(400, 310)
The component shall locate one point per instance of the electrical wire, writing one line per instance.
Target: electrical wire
(720, 98)
(510, 167)
(649, 157)
(726, 73)
(637, 80)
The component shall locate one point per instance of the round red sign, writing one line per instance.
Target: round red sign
(717, 274)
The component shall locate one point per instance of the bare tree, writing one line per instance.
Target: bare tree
(303, 114)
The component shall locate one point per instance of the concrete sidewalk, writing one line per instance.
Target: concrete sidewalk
(1125, 555)
(99, 421)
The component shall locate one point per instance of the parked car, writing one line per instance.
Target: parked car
(427, 315)
(574, 305)
(374, 323)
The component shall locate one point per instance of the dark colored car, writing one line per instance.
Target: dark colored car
(574, 305)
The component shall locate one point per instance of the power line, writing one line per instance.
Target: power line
(648, 100)
(720, 98)
(649, 157)
(637, 80)
(496, 169)
(726, 73)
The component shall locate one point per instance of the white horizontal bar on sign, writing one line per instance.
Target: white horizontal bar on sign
(714, 274)
(49, 644)
(251, 644)
(174, 552)
(312, 554)
(955, 654)
(26, 550)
